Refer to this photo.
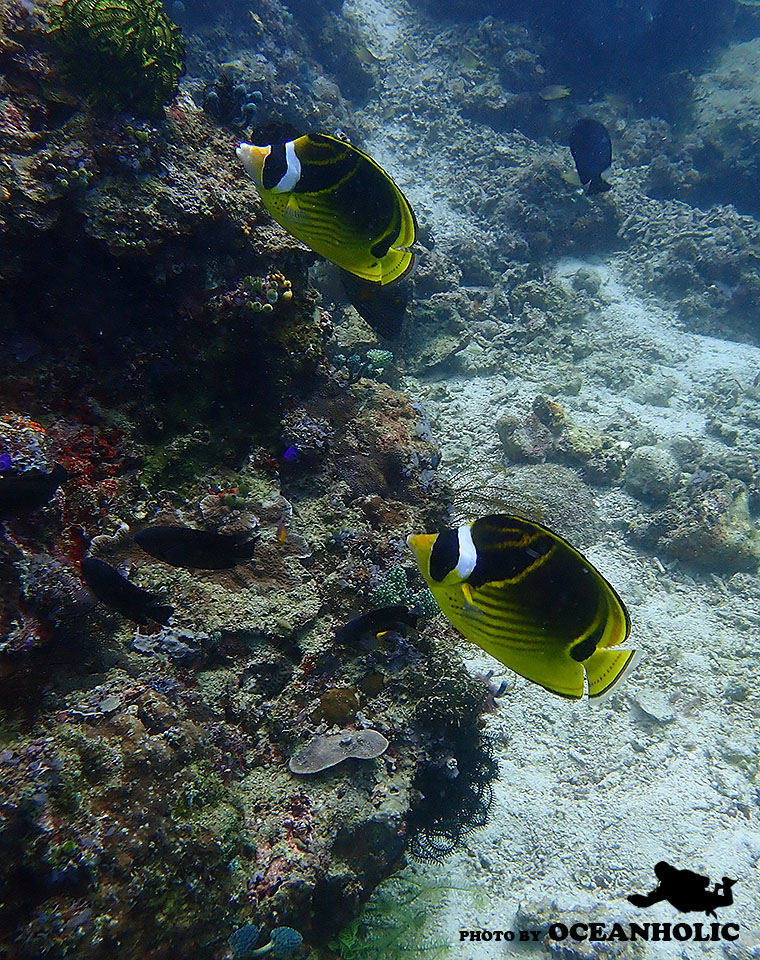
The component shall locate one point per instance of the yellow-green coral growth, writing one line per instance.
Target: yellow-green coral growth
(125, 54)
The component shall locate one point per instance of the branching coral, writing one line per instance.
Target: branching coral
(126, 54)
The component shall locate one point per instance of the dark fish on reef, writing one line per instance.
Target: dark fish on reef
(375, 623)
(524, 595)
(199, 549)
(337, 201)
(268, 133)
(116, 592)
(383, 308)
(26, 490)
(591, 148)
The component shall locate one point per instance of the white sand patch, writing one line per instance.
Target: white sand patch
(383, 24)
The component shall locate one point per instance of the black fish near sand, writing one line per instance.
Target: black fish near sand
(116, 592)
(381, 307)
(197, 549)
(375, 622)
(27, 490)
(591, 148)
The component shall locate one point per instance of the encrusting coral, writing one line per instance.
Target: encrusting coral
(327, 750)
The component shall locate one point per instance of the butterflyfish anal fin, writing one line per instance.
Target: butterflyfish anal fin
(467, 594)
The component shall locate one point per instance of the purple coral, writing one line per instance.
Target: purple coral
(305, 435)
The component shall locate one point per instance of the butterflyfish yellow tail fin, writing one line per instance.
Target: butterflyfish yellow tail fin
(605, 668)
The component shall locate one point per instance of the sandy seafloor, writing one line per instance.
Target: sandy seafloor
(589, 797)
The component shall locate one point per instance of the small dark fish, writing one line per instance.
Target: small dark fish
(200, 549)
(268, 133)
(591, 148)
(375, 623)
(116, 592)
(382, 307)
(22, 491)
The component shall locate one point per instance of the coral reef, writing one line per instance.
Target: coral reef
(708, 524)
(700, 261)
(204, 373)
(146, 772)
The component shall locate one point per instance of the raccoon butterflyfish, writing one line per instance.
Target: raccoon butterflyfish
(528, 598)
(338, 201)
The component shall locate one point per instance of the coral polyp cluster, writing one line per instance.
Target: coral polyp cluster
(127, 54)
(260, 294)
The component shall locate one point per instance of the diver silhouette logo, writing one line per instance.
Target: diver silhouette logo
(686, 891)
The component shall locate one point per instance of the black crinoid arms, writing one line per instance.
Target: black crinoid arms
(456, 799)
(123, 54)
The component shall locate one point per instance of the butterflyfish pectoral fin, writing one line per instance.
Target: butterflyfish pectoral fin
(471, 613)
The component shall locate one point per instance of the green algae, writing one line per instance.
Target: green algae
(394, 589)
(201, 788)
(178, 462)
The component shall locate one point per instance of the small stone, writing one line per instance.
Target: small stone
(652, 473)
(587, 280)
(654, 705)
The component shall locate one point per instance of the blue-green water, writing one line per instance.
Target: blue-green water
(587, 360)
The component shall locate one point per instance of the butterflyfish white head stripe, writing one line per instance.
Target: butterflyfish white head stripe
(468, 555)
(292, 169)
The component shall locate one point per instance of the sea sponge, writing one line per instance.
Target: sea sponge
(124, 54)
(338, 705)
